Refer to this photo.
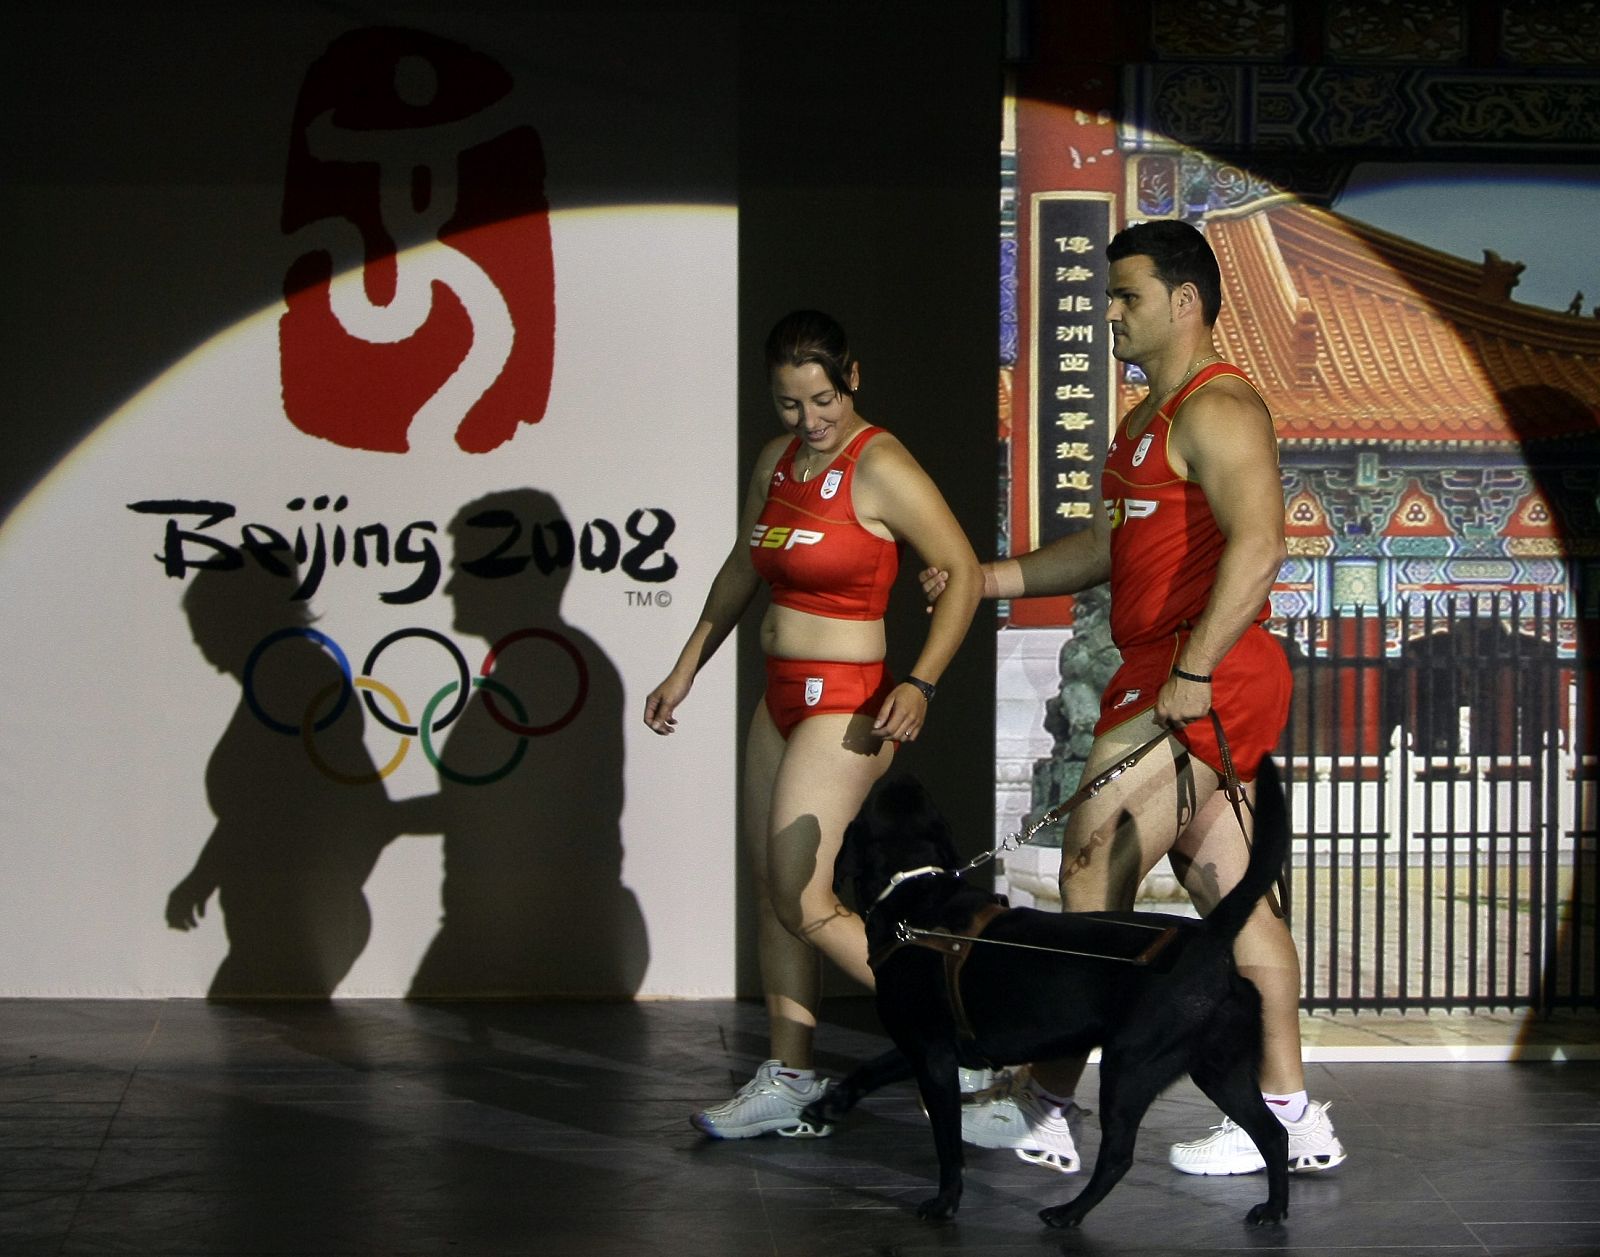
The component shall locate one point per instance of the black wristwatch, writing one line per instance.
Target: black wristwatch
(923, 687)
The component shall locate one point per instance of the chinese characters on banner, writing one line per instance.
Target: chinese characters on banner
(1073, 371)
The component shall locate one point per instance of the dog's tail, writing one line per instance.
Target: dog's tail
(1269, 847)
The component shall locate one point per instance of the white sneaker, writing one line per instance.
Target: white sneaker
(1015, 1116)
(772, 1100)
(1228, 1150)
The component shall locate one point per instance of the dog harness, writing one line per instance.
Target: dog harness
(955, 948)
(810, 547)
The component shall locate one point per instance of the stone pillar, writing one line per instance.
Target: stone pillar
(1027, 675)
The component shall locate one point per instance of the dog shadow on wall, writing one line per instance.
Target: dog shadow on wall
(292, 846)
(531, 789)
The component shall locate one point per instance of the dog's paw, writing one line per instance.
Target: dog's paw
(819, 1114)
(1265, 1215)
(837, 1099)
(940, 1208)
(1062, 1216)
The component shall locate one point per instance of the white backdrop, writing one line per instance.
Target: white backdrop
(121, 745)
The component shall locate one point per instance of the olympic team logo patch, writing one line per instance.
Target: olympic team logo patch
(813, 691)
(830, 482)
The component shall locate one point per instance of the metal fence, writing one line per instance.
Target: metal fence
(1443, 783)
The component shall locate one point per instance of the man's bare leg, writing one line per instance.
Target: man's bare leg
(1114, 839)
(1111, 841)
(1171, 804)
(1209, 858)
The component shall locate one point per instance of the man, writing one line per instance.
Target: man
(1190, 535)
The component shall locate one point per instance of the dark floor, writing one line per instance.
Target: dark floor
(387, 1127)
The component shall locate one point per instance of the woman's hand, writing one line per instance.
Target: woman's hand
(663, 702)
(902, 715)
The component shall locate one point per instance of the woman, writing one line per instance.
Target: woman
(828, 508)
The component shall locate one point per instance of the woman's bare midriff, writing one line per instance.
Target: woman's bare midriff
(790, 634)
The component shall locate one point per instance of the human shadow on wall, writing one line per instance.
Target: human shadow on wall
(300, 820)
(530, 795)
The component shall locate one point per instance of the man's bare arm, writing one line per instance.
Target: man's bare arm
(1067, 565)
(1224, 442)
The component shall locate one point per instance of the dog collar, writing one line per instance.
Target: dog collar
(925, 871)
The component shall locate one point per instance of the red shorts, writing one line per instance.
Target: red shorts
(1250, 691)
(797, 688)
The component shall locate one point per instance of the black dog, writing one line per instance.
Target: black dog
(1166, 999)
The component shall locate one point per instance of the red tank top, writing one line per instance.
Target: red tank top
(1165, 543)
(809, 546)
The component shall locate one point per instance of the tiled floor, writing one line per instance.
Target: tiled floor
(395, 1128)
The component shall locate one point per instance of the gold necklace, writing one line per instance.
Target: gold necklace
(810, 456)
(1193, 370)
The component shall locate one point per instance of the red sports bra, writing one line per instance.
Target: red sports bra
(813, 551)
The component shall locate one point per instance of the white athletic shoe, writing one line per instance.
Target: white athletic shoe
(772, 1100)
(1228, 1150)
(976, 1080)
(1013, 1115)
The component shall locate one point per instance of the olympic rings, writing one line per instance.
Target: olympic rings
(308, 728)
(323, 640)
(462, 672)
(561, 722)
(466, 779)
(399, 721)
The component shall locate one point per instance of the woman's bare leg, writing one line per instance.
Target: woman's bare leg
(799, 797)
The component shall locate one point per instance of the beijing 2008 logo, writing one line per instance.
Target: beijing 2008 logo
(424, 298)
(314, 720)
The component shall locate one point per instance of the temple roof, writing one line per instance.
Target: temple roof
(1354, 334)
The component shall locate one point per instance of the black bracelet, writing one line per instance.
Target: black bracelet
(1192, 676)
(923, 688)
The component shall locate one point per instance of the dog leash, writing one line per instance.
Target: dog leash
(1021, 838)
(956, 948)
(1232, 787)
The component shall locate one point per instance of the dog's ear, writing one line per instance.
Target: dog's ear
(917, 813)
(949, 857)
(932, 824)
